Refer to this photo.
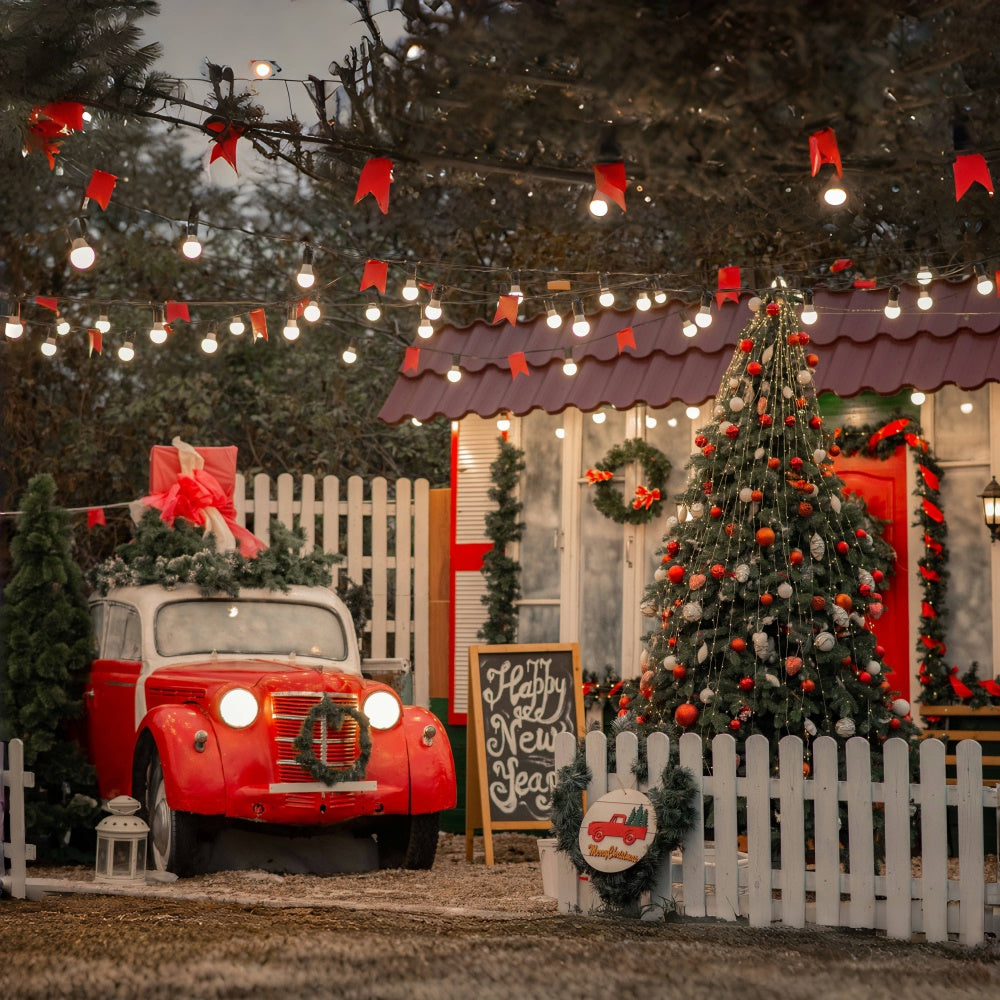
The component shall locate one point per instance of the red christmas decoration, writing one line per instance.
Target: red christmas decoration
(686, 715)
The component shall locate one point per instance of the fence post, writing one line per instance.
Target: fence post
(657, 756)
(727, 872)
(896, 796)
(692, 757)
(17, 851)
(972, 888)
(792, 826)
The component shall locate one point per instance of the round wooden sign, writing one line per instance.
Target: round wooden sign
(617, 830)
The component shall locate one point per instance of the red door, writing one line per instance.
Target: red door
(882, 484)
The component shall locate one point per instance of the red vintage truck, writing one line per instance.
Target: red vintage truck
(255, 709)
(616, 827)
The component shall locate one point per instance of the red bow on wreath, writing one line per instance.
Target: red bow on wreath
(599, 476)
(645, 498)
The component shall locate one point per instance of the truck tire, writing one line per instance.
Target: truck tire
(173, 835)
(408, 841)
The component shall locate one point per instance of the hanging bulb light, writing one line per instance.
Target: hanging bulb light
(515, 287)
(892, 309)
(688, 328)
(14, 327)
(503, 422)
(81, 253)
(103, 324)
(569, 365)
(454, 372)
(210, 342)
(191, 247)
(416, 422)
(373, 312)
(410, 289)
(703, 317)
(49, 347)
(581, 325)
(692, 413)
(306, 277)
(917, 398)
(425, 329)
(984, 284)
(433, 308)
(598, 206)
(158, 331)
(599, 416)
(237, 326)
(291, 330)
(552, 319)
(659, 295)
(312, 312)
(560, 433)
(262, 69)
(607, 297)
(966, 407)
(834, 193)
(643, 302)
(650, 421)
(350, 354)
(924, 275)
(62, 326)
(126, 352)
(808, 315)
(924, 299)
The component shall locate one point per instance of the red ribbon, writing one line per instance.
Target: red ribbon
(930, 479)
(936, 547)
(893, 427)
(991, 687)
(931, 510)
(959, 688)
(929, 574)
(599, 476)
(645, 498)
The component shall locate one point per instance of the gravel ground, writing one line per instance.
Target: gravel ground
(460, 930)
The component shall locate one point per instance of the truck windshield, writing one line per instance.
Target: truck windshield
(257, 628)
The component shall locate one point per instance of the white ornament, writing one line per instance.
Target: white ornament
(760, 642)
(724, 426)
(718, 410)
(772, 680)
(660, 573)
(845, 727)
(670, 662)
(703, 652)
(736, 404)
(682, 513)
(784, 590)
(810, 727)
(817, 547)
(753, 303)
(648, 608)
(819, 455)
(787, 391)
(804, 377)
(824, 641)
(746, 494)
(900, 707)
(707, 694)
(697, 510)
(671, 523)
(742, 573)
(692, 611)
(644, 659)
(835, 503)
(765, 387)
(766, 356)
(734, 383)
(874, 668)
(759, 453)
(865, 578)
(839, 616)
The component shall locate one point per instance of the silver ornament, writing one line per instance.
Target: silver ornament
(824, 641)
(804, 377)
(736, 404)
(707, 694)
(817, 547)
(810, 727)
(692, 611)
(784, 590)
(845, 728)
(900, 707)
(742, 573)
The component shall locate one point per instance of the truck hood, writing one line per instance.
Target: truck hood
(200, 679)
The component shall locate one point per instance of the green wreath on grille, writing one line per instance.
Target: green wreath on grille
(608, 498)
(673, 802)
(334, 715)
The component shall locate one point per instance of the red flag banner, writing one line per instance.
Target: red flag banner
(931, 510)
(376, 272)
(412, 360)
(376, 176)
(95, 516)
(729, 285)
(518, 364)
(100, 187)
(258, 323)
(971, 168)
(226, 136)
(625, 338)
(96, 340)
(864, 283)
(47, 303)
(841, 264)
(823, 149)
(507, 309)
(177, 310)
(609, 179)
(930, 479)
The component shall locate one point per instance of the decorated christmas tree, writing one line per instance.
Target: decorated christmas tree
(770, 589)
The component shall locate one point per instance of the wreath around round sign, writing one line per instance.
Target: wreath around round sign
(673, 801)
(656, 467)
(334, 715)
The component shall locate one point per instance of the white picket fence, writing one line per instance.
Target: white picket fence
(13, 781)
(714, 879)
(383, 539)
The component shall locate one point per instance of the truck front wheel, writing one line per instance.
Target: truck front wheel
(173, 835)
(408, 841)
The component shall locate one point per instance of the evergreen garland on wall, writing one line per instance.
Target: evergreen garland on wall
(502, 573)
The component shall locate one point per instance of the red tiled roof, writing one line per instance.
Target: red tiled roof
(954, 342)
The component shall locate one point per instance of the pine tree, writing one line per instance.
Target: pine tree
(769, 592)
(47, 648)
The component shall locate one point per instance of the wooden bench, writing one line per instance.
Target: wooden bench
(959, 722)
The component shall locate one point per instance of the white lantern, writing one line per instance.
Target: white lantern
(121, 843)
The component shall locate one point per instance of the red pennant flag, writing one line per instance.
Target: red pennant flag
(930, 479)
(376, 176)
(100, 187)
(887, 430)
(841, 264)
(864, 283)
(226, 136)
(507, 309)
(959, 688)
(990, 687)
(927, 611)
(68, 114)
(47, 303)
(95, 516)
(971, 168)
(518, 364)
(933, 512)
(609, 178)
(729, 285)
(935, 547)
(375, 275)
(625, 338)
(177, 310)
(823, 149)
(258, 323)
(96, 339)
(412, 360)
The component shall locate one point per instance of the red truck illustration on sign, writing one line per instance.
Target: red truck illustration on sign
(628, 830)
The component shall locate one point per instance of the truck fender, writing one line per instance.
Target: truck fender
(432, 768)
(193, 779)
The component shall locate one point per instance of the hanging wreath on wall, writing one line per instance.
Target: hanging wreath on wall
(673, 802)
(648, 499)
(334, 715)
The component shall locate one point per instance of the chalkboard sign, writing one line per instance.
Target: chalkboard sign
(520, 698)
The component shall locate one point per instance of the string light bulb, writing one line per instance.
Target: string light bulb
(191, 247)
(598, 206)
(984, 284)
(692, 413)
(373, 311)
(834, 193)
(306, 277)
(410, 289)
(81, 253)
(158, 331)
(917, 398)
(503, 422)
(62, 326)
(924, 299)
(433, 308)
(426, 328)
(650, 421)
(236, 326)
(569, 365)
(808, 315)
(599, 416)
(349, 355)
(126, 352)
(643, 302)
(515, 287)
(581, 325)
(263, 69)
(49, 347)
(892, 309)
(659, 295)
(14, 327)
(210, 342)
(703, 318)
(454, 373)
(688, 327)
(552, 318)
(291, 330)
(312, 312)
(924, 275)
(607, 297)
(103, 324)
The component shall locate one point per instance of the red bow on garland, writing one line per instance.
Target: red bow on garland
(645, 498)
(599, 476)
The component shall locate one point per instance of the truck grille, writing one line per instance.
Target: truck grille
(337, 748)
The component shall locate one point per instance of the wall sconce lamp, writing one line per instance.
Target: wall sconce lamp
(991, 507)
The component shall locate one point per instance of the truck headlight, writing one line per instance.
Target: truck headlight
(382, 709)
(238, 708)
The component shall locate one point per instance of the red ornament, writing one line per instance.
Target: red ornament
(708, 450)
(805, 509)
(622, 712)
(808, 685)
(765, 420)
(718, 571)
(861, 533)
(738, 644)
(844, 601)
(754, 368)
(715, 512)
(774, 463)
(700, 441)
(864, 590)
(673, 547)
(812, 360)
(833, 451)
(731, 530)
(773, 309)
(865, 677)
(734, 725)
(843, 548)
(765, 537)
(800, 403)
(803, 337)
(878, 576)
(746, 683)
(880, 651)
(793, 339)
(795, 464)
(795, 557)
(732, 431)
(818, 602)
(676, 574)
(672, 641)
(895, 723)
(680, 672)
(686, 715)
(746, 346)
(790, 420)
(815, 423)
(766, 599)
